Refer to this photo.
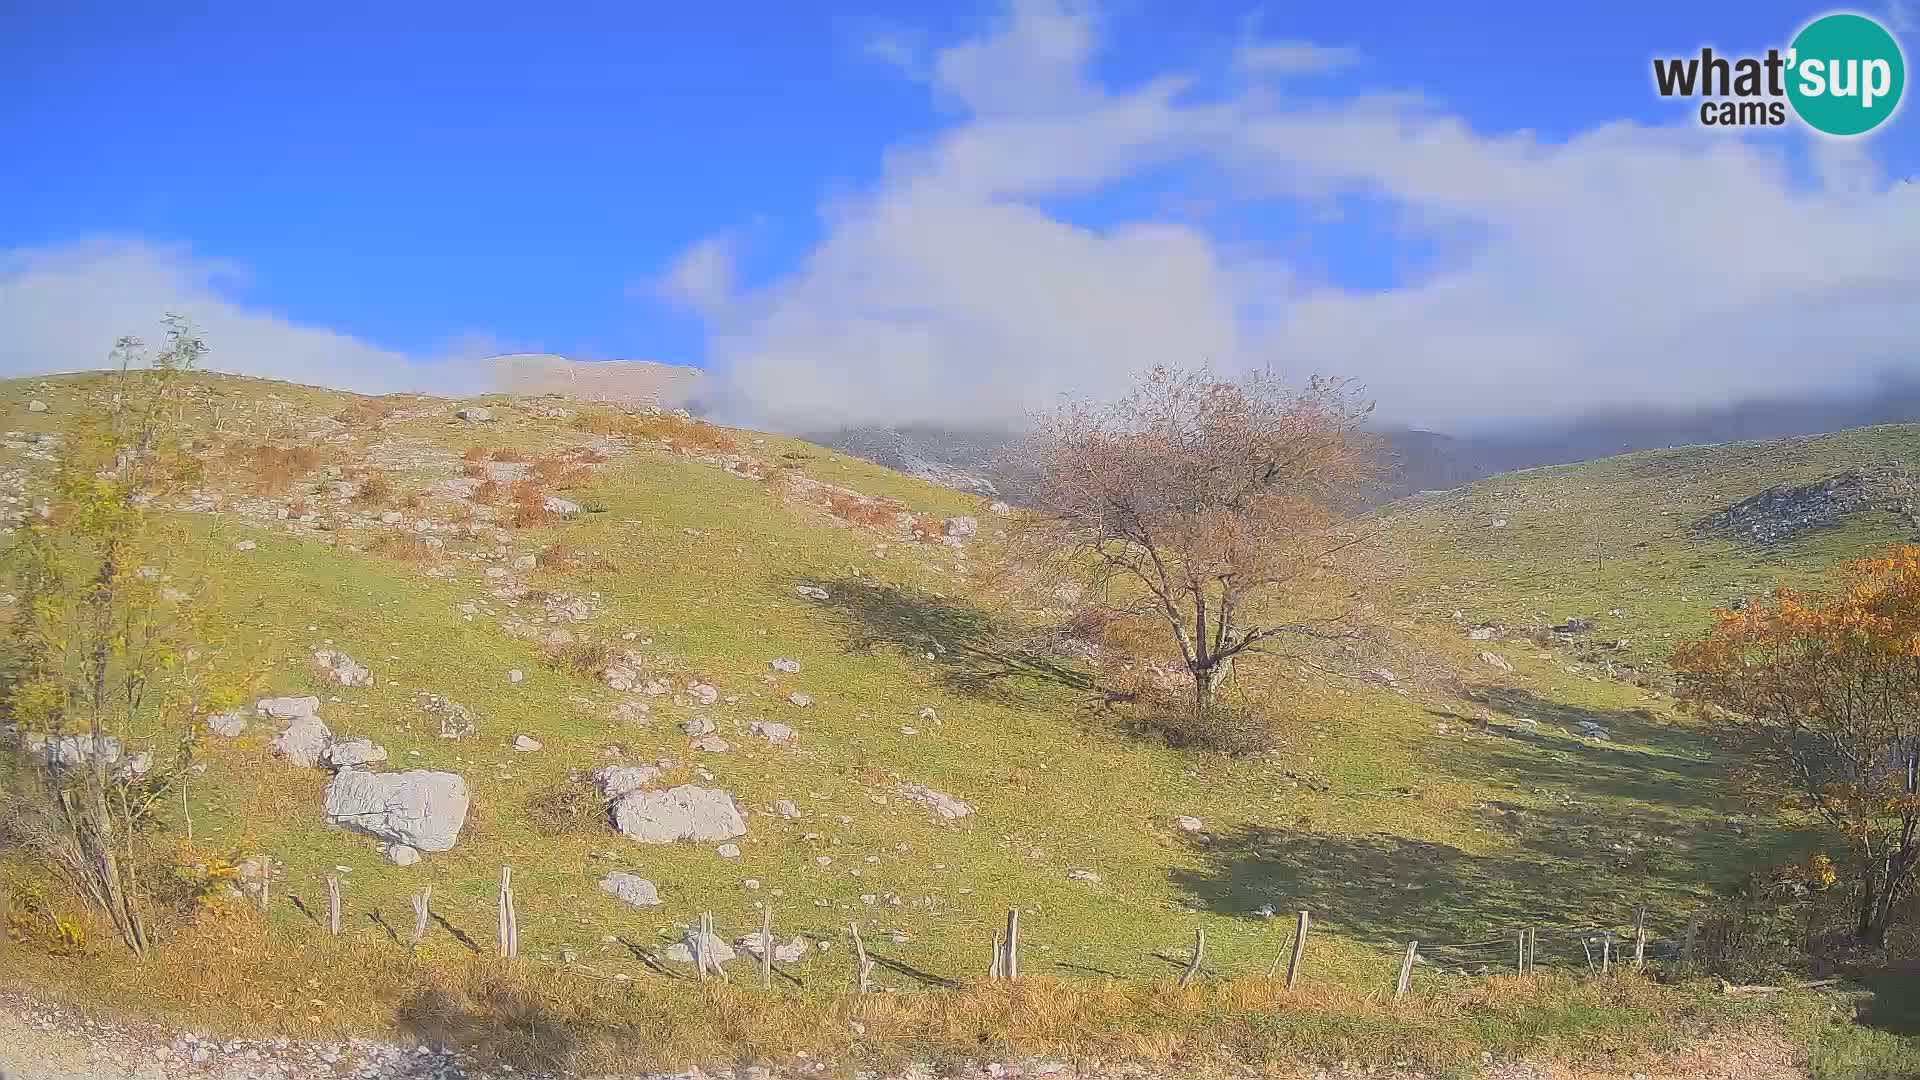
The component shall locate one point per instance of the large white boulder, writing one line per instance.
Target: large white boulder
(419, 808)
(687, 812)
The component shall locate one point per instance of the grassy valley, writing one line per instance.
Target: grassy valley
(1455, 802)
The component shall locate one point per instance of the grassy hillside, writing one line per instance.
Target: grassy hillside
(1544, 546)
(1392, 814)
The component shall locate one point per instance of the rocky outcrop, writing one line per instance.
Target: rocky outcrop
(1786, 511)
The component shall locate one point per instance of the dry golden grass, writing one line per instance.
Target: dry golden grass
(367, 412)
(529, 505)
(506, 454)
(584, 657)
(227, 971)
(561, 558)
(402, 546)
(681, 435)
(488, 492)
(873, 513)
(373, 488)
(272, 469)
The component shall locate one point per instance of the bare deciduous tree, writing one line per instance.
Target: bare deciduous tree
(1214, 504)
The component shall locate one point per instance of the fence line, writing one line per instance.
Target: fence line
(1516, 950)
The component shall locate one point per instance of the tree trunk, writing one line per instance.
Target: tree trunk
(1869, 907)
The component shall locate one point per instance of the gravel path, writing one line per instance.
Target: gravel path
(42, 1042)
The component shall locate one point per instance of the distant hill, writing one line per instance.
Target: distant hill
(636, 383)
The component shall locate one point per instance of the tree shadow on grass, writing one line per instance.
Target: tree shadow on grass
(1385, 888)
(973, 652)
(494, 1022)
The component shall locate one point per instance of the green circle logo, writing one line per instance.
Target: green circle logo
(1845, 74)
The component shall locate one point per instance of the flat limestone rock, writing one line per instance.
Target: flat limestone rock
(631, 889)
(687, 812)
(419, 808)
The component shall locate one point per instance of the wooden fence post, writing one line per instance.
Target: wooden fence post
(333, 905)
(1011, 969)
(1586, 946)
(420, 900)
(509, 929)
(266, 880)
(1406, 970)
(1199, 950)
(1686, 948)
(766, 946)
(1639, 939)
(999, 956)
(1606, 953)
(706, 958)
(1299, 949)
(1520, 953)
(863, 973)
(1532, 941)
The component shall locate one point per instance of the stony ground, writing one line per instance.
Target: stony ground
(40, 1042)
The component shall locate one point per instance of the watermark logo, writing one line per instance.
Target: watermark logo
(1842, 75)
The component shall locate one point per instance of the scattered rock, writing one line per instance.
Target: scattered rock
(1497, 662)
(475, 414)
(348, 753)
(687, 812)
(712, 744)
(788, 667)
(811, 592)
(1591, 730)
(703, 693)
(419, 808)
(288, 708)
(526, 744)
(775, 733)
(245, 545)
(618, 781)
(36, 405)
(554, 504)
(1189, 824)
(999, 509)
(698, 726)
(516, 676)
(939, 802)
(1483, 633)
(959, 528)
(681, 952)
(401, 854)
(1083, 875)
(630, 889)
(799, 700)
(456, 720)
(340, 668)
(791, 953)
(728, 851)
(227, 725)
(786, 808)
(303, 742)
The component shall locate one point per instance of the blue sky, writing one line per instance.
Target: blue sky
(423, 178)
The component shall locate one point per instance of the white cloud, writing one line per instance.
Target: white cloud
(703, 278)
(1292, 58)
(1627, 265)
(62, 308)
